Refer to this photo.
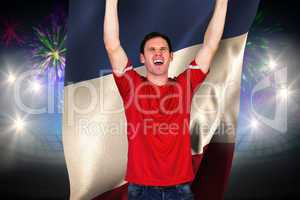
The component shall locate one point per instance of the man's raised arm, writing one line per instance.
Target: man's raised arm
(116, 53)
(212, 36)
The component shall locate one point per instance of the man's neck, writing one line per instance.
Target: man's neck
(157, 80)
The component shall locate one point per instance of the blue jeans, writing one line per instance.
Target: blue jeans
(142, 192)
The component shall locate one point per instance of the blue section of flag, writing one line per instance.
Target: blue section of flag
(184, 22)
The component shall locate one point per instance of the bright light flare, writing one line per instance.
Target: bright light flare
(254, 124)
(35, 86)
(272, 64)
(19, 124)
(284, 93)
(11, 78)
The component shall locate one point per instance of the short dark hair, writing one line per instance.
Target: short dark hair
(155, 35)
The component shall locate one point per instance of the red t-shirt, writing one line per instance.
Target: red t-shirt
(159, 147)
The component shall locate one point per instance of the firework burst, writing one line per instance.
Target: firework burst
(49, 51)
(10, 33)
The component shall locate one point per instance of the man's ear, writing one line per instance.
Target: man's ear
(171, 56)
(142, 58)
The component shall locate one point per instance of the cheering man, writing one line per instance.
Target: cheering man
(157, 108)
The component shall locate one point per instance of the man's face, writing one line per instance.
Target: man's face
(157, 56)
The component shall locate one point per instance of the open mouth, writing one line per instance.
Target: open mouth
(158, 62)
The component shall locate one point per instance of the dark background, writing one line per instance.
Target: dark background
(271, 175)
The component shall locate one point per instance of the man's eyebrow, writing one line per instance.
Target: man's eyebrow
(163, 47)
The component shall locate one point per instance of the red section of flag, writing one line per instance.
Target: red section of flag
(211, 180)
